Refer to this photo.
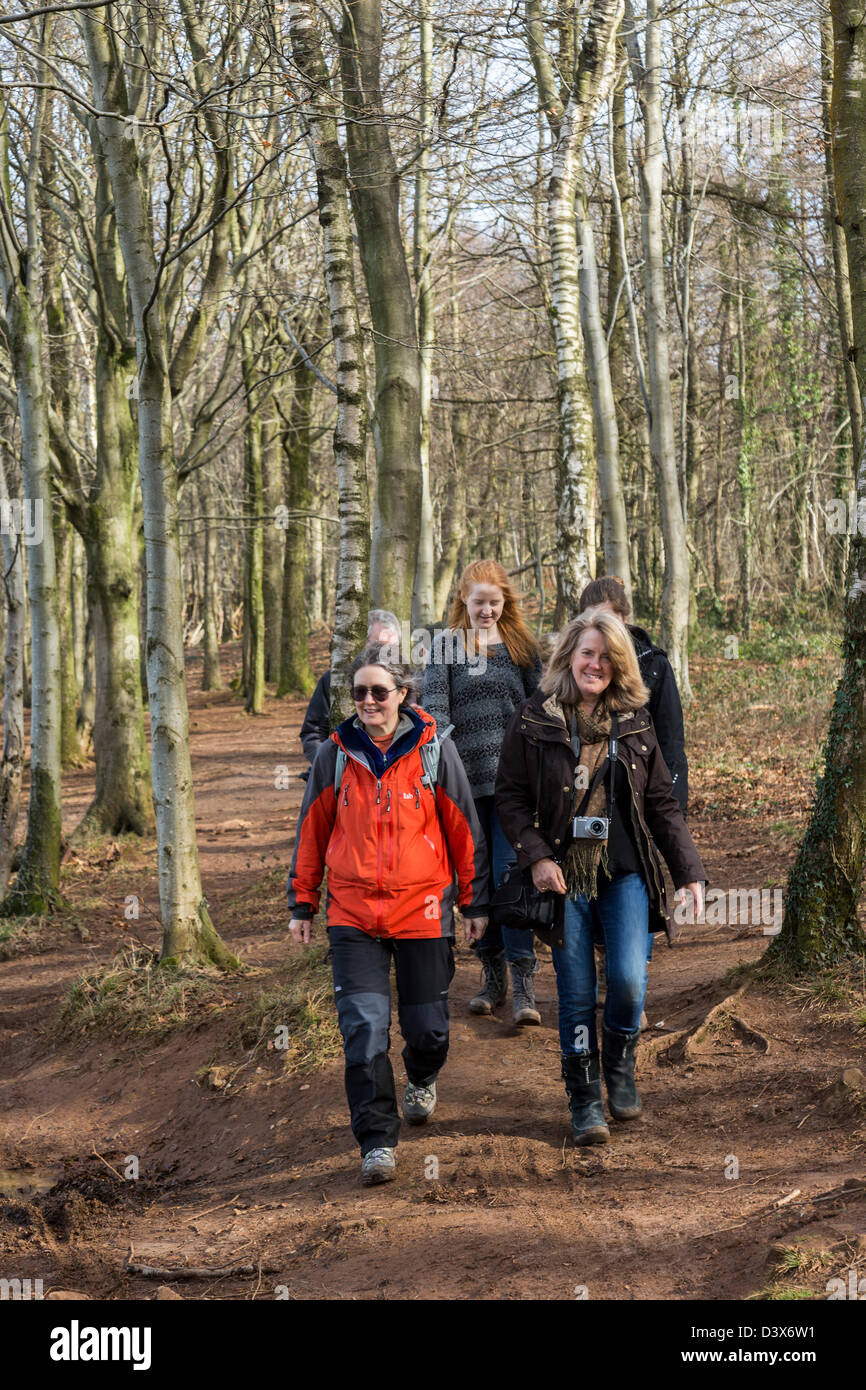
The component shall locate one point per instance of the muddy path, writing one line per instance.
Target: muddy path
(249, 1175)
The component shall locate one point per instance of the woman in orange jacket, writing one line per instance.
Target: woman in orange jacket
(394, 825)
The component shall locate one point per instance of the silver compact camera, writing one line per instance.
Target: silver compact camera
(590, 827)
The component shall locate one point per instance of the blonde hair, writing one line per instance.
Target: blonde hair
(626, 690)
(519, 641)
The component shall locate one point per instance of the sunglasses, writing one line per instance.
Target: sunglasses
(380, 693)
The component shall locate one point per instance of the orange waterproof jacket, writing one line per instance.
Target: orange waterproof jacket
(391, 844)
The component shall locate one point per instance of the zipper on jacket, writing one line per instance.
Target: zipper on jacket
(392, 828)
(379, 856)
(346, 796)
(417, 791)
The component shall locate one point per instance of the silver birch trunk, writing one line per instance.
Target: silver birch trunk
(350, 433)
(12, 765)
(593, 78)
(35, 888)
(614, 527)
(424, 598)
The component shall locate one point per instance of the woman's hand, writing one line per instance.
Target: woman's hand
(547, 876)
(697, 892)
(300, 929)
(474, 928)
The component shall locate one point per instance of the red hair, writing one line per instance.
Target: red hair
(519, 641)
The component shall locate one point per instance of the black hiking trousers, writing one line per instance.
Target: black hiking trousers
(424, 968)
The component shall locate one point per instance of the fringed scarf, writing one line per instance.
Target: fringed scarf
(583, 857)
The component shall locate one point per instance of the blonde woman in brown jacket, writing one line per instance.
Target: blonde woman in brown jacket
(585, 797)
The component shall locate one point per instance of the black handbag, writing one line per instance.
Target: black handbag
(518, 903)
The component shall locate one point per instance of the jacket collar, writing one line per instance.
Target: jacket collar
(547, 717)
(414, 727)
(644, 645)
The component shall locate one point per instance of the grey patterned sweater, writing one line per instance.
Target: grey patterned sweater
(479, 703)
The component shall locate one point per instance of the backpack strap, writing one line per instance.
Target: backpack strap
(430, 755)
(340, 768)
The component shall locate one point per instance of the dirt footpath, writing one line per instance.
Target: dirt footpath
(751, 1145)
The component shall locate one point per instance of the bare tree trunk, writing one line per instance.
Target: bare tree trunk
(189, 933)
(105, 512)
(272, 541)
(78, 604)
(36, 885)
(613, 519)
(745, 477)
(350, 434)
(211, 673)
(315, 612)
(646, 72)
(622, 316)
(423, 600)
(841, 280)
(12, 765)
(375, 192)
(295, 670)
(254, 618)
(821, 922)
(594, 75)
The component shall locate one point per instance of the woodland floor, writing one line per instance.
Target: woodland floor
(244, 1162)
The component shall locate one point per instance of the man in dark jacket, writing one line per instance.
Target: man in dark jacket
(382, 628)
(664, 702)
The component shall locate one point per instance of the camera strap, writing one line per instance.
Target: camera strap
(612, 745)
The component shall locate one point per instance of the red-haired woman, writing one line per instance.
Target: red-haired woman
(478, 673)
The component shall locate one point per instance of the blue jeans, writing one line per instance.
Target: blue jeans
(517, 943)
(621, 912)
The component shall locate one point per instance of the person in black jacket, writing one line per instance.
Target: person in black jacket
(657, 675)
(383, 628)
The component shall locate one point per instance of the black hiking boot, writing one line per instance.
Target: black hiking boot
(582, 1076)
(495, 987)
(618, 1063)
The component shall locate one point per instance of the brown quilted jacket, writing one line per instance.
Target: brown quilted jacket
(533, 798)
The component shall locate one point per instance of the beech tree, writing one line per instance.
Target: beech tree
(820, 924)
(36, 884)
(188, 932)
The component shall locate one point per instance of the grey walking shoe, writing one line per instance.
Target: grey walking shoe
(377, 1166)
(495, 987)
(419, 1102)
(522, 972)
